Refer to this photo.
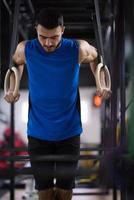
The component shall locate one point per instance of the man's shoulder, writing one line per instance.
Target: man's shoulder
(70, 42)
(22, 43)
(30, 43)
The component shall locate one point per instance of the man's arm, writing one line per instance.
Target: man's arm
(19, 61)
(19, 57)
(89, 54)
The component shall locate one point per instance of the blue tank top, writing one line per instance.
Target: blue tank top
(53, 91)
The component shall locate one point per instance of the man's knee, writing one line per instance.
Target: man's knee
(47, 194)
(62, 194)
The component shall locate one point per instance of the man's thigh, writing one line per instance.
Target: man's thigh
(68, 147)
(38, 147)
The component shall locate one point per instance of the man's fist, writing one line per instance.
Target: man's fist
(10, 98)
(104, 93)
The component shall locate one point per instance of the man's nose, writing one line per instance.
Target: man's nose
(48, 42)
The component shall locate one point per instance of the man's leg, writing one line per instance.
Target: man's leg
(47, 194)
(65, 185)
(43, 184)
(61, 194)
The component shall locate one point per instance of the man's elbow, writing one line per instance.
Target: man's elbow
(94, 54)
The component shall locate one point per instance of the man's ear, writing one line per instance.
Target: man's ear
(63, 29)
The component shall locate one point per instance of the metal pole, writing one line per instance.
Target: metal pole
(120, 63)
(122, 71)
(14, 40)
(114, 78)
(130, 33)
(0, 45)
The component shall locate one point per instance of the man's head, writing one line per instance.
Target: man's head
(49, 27)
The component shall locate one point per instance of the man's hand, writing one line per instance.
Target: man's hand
(103, 81)
(10, 98)
(104, 93)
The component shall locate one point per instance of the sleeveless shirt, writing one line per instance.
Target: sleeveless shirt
(53, 79)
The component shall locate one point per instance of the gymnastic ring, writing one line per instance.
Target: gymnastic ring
(7, 81)
(101, 82)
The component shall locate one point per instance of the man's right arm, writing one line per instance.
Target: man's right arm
(19, 57)
(19, 62)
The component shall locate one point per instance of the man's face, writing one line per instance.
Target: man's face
(49, 38)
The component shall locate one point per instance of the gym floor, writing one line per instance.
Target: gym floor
(20, 194)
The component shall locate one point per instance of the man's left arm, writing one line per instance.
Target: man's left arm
(89, 54)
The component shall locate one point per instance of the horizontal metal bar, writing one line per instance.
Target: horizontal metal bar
(81, 149)
(46, 158)
(62, 4)
(91, 193)
(13, 149)
(48, 173)
(68, 1)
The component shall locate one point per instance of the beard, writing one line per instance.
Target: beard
(52, 47)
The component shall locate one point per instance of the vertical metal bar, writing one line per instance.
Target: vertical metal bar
(12, 180)
(14, 40)
(120, 63)
(0, 45)
(130, 33)
(114, 80)
(120, 48)
(122, 72)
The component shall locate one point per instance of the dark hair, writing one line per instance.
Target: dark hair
(49, 18)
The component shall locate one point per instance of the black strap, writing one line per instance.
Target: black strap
(14, 38)
(98, 30)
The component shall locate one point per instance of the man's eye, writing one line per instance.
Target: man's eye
(42, 37)
(54, 37)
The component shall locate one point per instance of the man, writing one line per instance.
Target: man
(54, 124)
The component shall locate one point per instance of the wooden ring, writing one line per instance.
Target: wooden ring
(7, 81)
(102, 75)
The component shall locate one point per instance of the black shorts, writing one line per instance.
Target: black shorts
(37, 147)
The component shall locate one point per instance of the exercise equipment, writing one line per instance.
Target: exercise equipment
(12, 71)
(14, 39)
(102, 75)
